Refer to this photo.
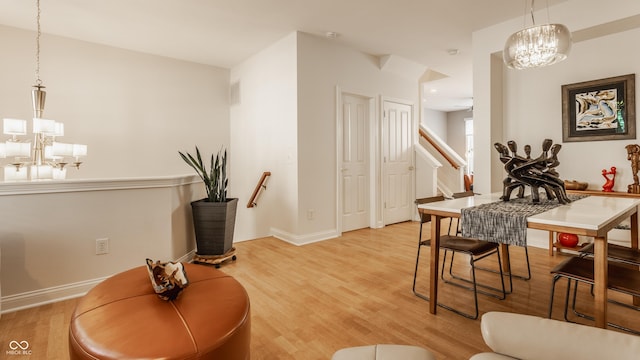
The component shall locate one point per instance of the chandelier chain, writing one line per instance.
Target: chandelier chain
(533, 20)
(38, 33)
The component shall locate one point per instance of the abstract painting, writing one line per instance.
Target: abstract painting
(599, 109)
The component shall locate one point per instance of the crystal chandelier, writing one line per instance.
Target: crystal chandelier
(538, 45)
(46, 158)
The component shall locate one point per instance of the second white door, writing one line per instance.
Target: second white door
(397, 167)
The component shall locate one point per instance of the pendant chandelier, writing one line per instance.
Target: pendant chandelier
(46, 158)
(537, 45)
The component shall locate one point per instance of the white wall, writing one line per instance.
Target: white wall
(456, 137)
(133, 110)
(437, 122)
(530, 101)
(264, 138)
(48, 237)
(583, 161)
(323, 65)
(286, 123)
(525, 106)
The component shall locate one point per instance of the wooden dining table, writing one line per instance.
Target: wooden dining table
(592, 216)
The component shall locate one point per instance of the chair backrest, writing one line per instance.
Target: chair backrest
(424, 217)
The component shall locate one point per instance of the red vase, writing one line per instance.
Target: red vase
(568, 240)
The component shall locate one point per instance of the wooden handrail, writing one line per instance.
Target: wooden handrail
(438, 149)
(261, 185)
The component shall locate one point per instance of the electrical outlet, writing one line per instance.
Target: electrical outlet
(310, 214)
(102, 246)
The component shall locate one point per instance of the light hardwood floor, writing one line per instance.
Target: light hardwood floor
(309, 301)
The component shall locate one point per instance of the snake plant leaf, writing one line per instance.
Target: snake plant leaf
(215, 178)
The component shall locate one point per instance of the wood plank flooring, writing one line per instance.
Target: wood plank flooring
(309, 301)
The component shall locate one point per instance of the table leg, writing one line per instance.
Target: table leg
(551, 243)
(600, 269)
(506, 259)
(434, 264)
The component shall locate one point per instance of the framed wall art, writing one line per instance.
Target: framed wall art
(602, 109)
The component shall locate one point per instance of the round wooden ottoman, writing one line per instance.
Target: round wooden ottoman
(122, 318)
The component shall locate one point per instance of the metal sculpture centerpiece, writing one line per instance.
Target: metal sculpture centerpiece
(537, 173)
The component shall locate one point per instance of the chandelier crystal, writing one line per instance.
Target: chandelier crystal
(46, 158)
(538, 45)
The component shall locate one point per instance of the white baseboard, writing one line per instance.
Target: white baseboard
(50, 295)
(303, 240)
(188, 257)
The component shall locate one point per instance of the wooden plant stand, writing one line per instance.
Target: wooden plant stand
(216, 260)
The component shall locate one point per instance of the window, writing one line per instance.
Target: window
(468, 133)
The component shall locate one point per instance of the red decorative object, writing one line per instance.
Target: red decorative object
(608, 185)
(568, 240)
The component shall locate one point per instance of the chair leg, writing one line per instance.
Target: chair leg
(566, 300)
(553, 290)
(573, 305)
(475, 286)
(475, 296)
(528, 277)
(523, 277)
(453, 254)
(504, 293)
(415, 272)
(510, 274)
(472, 260)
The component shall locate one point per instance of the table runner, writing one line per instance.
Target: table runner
(505, 221)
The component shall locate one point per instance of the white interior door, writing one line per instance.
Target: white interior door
(355, 162)
(397, 166)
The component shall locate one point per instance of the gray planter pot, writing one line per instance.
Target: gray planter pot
(214, 223)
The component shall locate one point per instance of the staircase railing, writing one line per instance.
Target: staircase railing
(258, 190)
(439, 149)
(450, 177)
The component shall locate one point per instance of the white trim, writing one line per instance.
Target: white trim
(64, 186)
(50, 295)
(188, 257)
(54, 294)
(305, 239)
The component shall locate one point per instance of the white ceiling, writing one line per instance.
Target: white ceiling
(225, 32)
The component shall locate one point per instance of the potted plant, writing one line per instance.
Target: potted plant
(214, 217)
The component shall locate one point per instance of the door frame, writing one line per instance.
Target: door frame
(373, 155)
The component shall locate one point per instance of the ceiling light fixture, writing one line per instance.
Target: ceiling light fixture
(537, 45)
(46, 160)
